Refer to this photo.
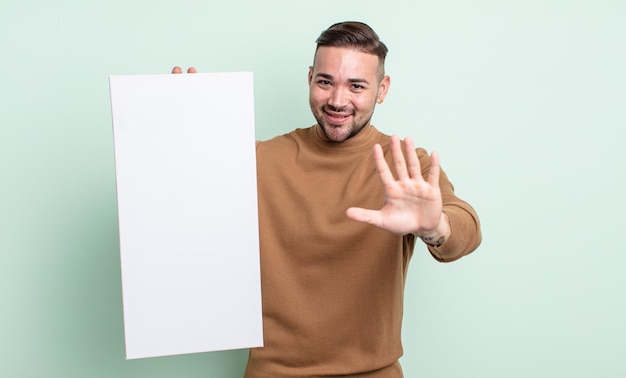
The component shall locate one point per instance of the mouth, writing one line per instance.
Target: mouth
(337, 118)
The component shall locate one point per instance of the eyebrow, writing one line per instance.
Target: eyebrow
(330, 77)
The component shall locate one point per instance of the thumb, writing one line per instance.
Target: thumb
(359, 214)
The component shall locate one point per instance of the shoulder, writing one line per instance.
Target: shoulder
(423, 155)
(281, 144)
(289, 137)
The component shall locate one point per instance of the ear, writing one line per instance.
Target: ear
(310, 74)
(383, 87)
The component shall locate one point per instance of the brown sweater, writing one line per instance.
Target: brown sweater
(333, 288)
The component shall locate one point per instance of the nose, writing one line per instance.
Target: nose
(338, 98)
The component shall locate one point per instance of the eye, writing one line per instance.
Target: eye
(324, 82)
(357, 87)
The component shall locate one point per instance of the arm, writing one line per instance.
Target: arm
(465, 234)
(421, 202)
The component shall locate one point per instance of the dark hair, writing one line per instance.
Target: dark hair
(353, 34)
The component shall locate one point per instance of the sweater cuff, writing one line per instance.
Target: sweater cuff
(464, 236)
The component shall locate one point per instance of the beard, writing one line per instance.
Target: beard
(340, 133)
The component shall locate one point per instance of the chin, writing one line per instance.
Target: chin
(337, 134)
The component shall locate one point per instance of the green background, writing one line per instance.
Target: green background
(524, 100)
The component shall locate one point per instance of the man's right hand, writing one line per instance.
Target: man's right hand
(178, 70)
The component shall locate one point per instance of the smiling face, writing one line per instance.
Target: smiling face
(344, 86)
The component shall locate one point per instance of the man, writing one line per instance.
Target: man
(332, 269)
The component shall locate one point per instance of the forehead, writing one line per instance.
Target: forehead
(344, 61)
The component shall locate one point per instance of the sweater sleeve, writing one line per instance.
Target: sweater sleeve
(465, 234)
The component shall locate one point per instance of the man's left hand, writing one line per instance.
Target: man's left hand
(412, 204)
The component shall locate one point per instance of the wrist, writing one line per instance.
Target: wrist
(440, 234)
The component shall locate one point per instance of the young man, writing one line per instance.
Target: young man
(332, 269)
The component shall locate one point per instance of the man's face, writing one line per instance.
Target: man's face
(344, 87)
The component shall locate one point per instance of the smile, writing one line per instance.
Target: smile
(335, 117)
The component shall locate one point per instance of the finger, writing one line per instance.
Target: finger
(373, 217)
(381, 165)
(177, 70)
(433, 172)
(397, 156)
(192, 70)
(412, 161)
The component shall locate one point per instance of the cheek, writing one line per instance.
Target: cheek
(365, 105)
(316, 96)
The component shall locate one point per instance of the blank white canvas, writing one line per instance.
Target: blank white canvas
(186, 187)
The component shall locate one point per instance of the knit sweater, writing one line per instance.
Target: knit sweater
(332, 287)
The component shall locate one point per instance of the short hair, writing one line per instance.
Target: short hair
(355, 35)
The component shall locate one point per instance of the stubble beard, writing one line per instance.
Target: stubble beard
(339, 133)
